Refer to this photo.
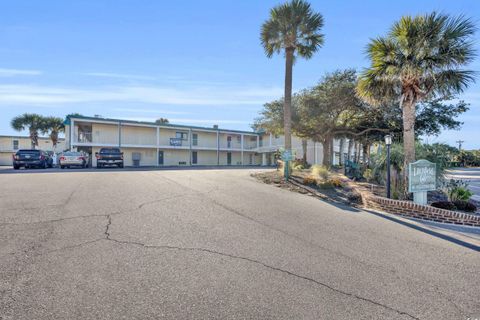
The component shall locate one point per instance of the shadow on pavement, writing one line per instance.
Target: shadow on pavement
(440, 235)
(10, 170)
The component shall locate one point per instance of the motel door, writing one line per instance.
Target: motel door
(160, 158)
(229, 158)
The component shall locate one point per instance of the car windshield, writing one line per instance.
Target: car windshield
(110, 150)
(69, 154)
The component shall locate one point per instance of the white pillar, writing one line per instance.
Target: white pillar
(258, 141)
(242, 144)
(218, 148)
(72, 131)
(315, 152)
(270, 142)
(264, 159)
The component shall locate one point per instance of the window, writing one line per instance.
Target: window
(260, 141)
(239, 139)
(194, 157)
(181, 135)
(15, 144)
(229, 142)
(195, 139)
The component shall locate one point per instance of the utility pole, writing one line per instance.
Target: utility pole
(460, 144)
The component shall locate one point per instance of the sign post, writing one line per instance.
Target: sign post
(287, 157)
(422, 177)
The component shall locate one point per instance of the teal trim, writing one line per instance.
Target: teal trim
(67, 122)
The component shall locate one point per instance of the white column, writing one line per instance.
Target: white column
(218, 148)
(258, 141)
(242, 144)
(190, 144)
(264, 159)
(72, 131)
(158, 143)
(315, 152)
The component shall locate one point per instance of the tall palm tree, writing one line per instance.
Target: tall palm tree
(421, 57)
(53, 126)
(29, 121)
(293, 28)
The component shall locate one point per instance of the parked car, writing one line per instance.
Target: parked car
(30, 158)
(109, 157)
(74, 159)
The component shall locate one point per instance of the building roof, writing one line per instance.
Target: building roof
(27, 137)
(67, 122)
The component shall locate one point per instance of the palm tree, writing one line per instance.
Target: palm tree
(293, 28)
(420, 58)
(161, 121)
(53, 126)
(29, 121)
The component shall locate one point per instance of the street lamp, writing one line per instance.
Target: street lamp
(388, 142)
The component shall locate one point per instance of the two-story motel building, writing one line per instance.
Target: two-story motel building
(178, 145)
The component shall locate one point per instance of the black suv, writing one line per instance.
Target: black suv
(29, 158)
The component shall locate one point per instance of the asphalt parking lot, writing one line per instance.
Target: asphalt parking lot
(214, 244)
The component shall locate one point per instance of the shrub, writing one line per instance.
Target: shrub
(321, 171)
(368, 174)
(325, 185)
(444, 205)
(457, 190)
(309, 181)
(354, 197)
(335, 182)
(465, 206)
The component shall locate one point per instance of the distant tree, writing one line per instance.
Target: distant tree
(53, 126)
(32, 122)
(294, 29)
(420, 58)
(162, 121)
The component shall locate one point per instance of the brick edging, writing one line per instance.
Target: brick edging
(412, 210)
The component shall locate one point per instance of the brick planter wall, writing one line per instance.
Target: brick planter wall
(412, 210)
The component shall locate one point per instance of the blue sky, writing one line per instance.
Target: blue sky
(193, 62)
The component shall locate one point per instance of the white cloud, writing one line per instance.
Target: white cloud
(156, 111)
(18, 72)
(208, 95)
(118, 76)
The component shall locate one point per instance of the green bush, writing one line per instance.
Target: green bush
(457, 190)
(335, 182)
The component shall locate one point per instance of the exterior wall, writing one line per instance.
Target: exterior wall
(131, 135)
(6, 158)
(148, 156)
(235, 142)
(174, 157)
(206, 140)
(206, 158)
(167, 133)
(236, 158)
(104, 133)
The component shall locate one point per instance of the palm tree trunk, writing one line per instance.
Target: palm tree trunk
(408, 110)
(287, 107)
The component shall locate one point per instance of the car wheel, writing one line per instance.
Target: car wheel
(62, 167)
(45, 165)
(120, 165)
(16, 167)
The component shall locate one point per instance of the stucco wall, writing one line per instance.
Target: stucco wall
(139, 135)
(105, 133)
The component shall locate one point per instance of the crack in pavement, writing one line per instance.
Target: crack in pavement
(290, 273)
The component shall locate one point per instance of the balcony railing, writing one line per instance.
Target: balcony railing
(84, 137)
(176, 142)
